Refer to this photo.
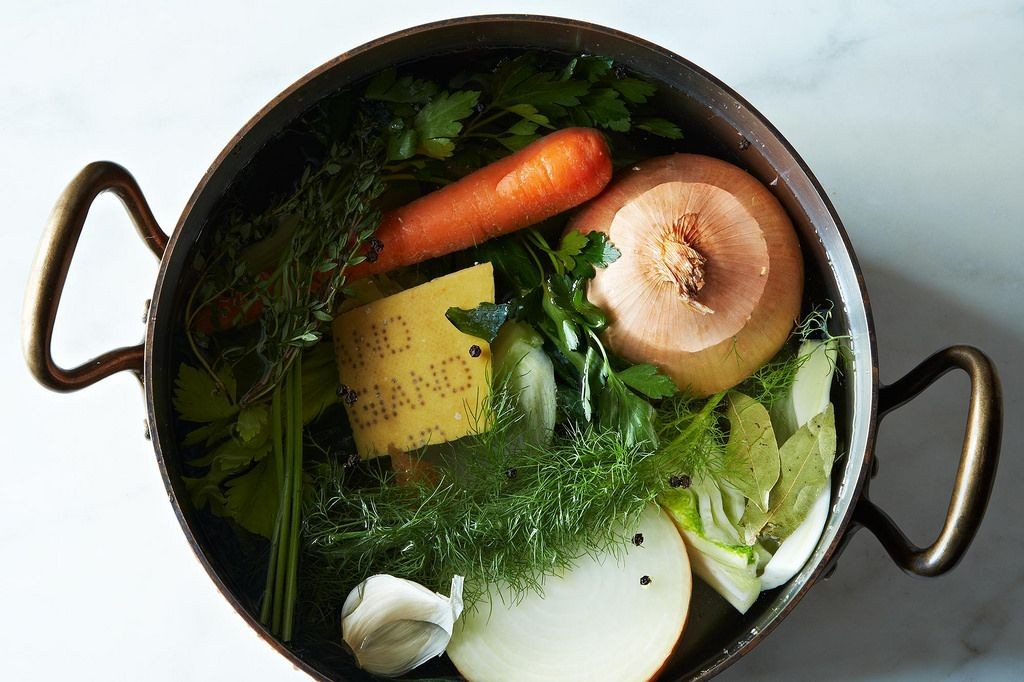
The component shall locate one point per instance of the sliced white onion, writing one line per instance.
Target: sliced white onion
(597, 622)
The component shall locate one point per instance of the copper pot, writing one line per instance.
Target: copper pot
(711, 112)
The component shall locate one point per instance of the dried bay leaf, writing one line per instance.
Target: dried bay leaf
(806, 460)
(751, 455)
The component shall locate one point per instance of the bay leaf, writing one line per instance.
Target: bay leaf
(752, 461)
(806, 461)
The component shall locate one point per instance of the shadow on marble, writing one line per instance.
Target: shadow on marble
(870, 621)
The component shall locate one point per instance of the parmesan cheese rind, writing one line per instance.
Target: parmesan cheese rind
(410, 378)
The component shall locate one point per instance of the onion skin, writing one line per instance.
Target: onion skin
(703, 352)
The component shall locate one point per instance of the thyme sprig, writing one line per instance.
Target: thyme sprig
(315, 233)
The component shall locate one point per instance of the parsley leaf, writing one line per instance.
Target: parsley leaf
(649, 380)
(660, 127)
(633, 89)
(572, 243)
(597, 252)
(530, 113)
(231, 457)
(483, 321)
(439, 121)
(387, 87)
(603, 108)
(542, 89)
(252, 424)
(252, 499)
(401, 144)
(591, 68)
(512, 261)
(197, 398)
(624, 412)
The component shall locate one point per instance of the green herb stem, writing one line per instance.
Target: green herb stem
(294, 498)
(278, 608)
(485, 120)
(266, 608)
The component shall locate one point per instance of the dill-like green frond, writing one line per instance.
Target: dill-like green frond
(691, 437)
(501, 511)
(774, 380)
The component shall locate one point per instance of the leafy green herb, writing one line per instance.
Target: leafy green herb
(498, 513)
(386, 86)
(751, 454)
(691, 437)
(483, 321)
(251, 500)
(199, 397)
(621, 410)
(323, 227)
(660, 127)
(552, 286)
(439, 121)
(806, 461)
(648, 380)
(432, 131)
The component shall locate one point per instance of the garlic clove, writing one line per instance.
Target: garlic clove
(393, 625)
(710, 279)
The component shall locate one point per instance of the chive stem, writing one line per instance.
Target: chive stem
(295, 499)
(275, 439)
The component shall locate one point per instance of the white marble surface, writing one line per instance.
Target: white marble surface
(910, 114)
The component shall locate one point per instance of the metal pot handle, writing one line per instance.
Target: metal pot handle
(975, 476)
(50, 271)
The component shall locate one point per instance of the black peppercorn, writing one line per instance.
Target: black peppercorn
(638, 539)
(511, 473)
(475, 351)
(351, 397)
(679, 481)
(342, 391)
(372, 256)
(645, 580)
(376, 245)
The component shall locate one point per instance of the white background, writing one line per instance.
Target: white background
(910, 114)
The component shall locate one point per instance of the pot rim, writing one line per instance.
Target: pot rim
(841, 528)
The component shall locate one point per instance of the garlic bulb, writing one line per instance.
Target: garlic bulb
(393, 625)
(710, 279)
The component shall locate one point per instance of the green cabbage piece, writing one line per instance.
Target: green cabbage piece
(707, 516)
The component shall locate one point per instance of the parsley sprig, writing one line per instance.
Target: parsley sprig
(550, 285)
(432, 131)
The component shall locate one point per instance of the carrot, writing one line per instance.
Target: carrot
(549, 176)
(557, 172)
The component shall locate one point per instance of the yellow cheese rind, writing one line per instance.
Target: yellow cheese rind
(411, 371)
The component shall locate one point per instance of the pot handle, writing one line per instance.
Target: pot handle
(976, 473)
(50, 271)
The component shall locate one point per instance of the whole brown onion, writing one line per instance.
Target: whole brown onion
(710, 279)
